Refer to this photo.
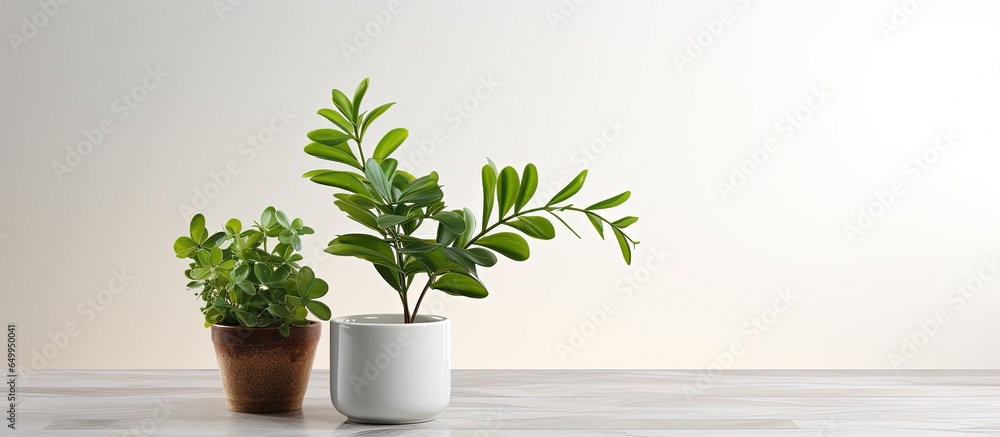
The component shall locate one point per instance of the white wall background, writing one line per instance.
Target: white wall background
(685, 129)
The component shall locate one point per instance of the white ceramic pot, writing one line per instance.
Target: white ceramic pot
(384, 371)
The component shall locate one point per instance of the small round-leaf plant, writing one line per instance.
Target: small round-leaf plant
(244, 281)
(394, 204)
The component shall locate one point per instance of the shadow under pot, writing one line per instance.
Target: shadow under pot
(263, 372)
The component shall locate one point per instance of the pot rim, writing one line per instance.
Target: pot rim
(268, 328)
(423, 320)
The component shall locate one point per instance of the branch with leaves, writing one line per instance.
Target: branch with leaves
(394, 204)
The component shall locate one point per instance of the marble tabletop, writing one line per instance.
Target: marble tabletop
(500, 403)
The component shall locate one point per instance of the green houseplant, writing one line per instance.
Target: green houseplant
(394, 205)
(256, 300)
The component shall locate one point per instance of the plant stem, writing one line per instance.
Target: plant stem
(401, 277)
(263, 233)
(563, 222)
(357, 139)
(406, 308)
(547, 208)
(362, 153)
(430, 278)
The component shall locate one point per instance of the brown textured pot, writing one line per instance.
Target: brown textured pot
(263, 372)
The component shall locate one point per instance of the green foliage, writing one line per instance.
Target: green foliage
(393, 205)
(242, 282)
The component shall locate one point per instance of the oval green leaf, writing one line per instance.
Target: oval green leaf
(343, 104)
(366, 247)
(483, 256)
(529, 183)
(572, 188)
(199, 273)
(330, 137)
(470, 228)
(507, 244)
(240, 273)
(267, 217)
(359, 94)
(373, 115)
(331, 153)
(535, 227)
(303, 280)
(282, 219)
(378, 179)
(247, 288)
(279, 311)
(489, 188)
(389, 168)
(357, 213)
(623, 245)
(203, 257)
(389, 220)
(340, 179)
(215, 240)
(286, 236)
(318, 289)
(336, 119)
(389, 143)
(262, 272)
(460, 285)
(234, 226)
(507, 189)
(216, 254)
(319, 309)
(453, 221)
(611, 202)
(625, 222)
(198, 231)
(184, 246)
(246, 319)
